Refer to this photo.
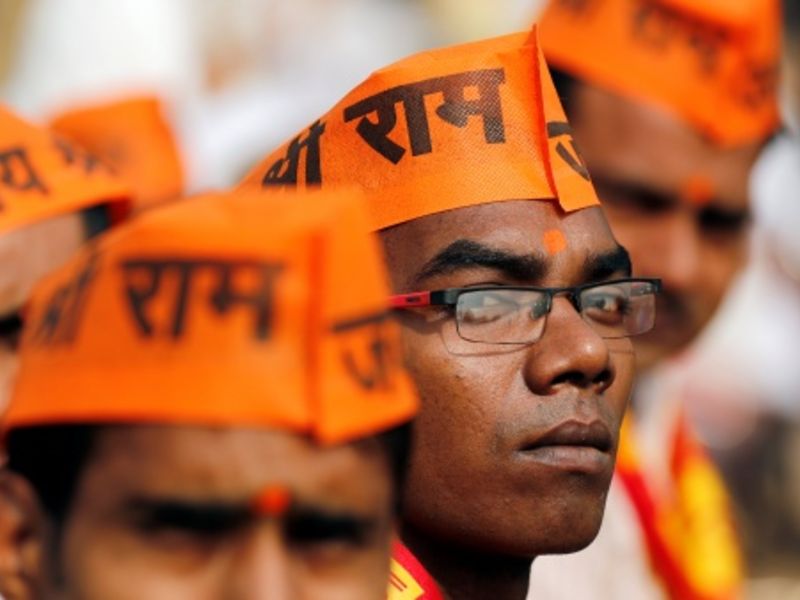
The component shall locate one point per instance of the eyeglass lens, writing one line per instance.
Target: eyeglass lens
(518, 316)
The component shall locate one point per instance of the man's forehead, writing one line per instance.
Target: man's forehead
(522, 228)
(218, 462)
(492, 219)
(644, 145)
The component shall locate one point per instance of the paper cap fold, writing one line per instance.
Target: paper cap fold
(712, 63)
(441, 130)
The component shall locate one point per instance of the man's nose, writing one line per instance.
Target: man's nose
(676, 258)
(569, 353)
(261, 568)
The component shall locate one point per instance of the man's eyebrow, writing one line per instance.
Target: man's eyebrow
(306, 522)
(727, 212)
(207, 516)
(604, 265)
(468, 254)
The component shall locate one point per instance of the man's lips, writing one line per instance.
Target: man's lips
(573, 445)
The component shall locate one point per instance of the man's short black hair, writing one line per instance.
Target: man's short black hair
(96, 219)
(52, 459)
(566, 86)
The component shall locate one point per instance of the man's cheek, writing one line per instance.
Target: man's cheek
(722, 268)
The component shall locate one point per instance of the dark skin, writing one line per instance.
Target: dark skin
(646, 164)
(481, 502)
(168, 512)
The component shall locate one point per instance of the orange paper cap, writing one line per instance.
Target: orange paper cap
(445, 129)
(713, 63)
(133, 137)
(238, 311)
(43, 176)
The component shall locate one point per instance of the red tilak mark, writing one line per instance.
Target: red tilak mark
(554, 241)
(274, 501)
(698, 191)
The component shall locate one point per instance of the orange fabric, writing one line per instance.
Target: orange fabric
(135, 139)
(690, 535)
(43, 176)
(444, 129)
(229, 311)
(408, 579)
(713, 63)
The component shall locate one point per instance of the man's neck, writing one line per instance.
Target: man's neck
(464, 574)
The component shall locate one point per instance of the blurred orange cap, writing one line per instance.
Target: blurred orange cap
(43, 176)
(135, 139)
(444, 129)
(221, 311)
(713, 63)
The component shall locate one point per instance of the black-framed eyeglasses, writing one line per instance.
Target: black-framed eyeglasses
(518, 314)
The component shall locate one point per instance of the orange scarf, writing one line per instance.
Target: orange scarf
(689, 533)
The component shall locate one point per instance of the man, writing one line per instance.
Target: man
(671, 102)
(516, 306)
(209, 407)
(53, 196)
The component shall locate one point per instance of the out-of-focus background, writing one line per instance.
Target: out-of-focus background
(237, 77)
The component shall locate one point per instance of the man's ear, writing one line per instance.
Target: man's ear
(21, 539)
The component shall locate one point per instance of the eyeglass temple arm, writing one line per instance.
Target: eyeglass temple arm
(410, 300)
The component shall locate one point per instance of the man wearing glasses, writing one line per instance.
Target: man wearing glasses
(516, 303)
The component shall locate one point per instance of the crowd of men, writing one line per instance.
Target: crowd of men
(409, 354)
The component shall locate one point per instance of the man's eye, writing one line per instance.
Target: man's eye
(483, 307)
(487, 314)
(722, 222)
(606, 306)
(639, 200)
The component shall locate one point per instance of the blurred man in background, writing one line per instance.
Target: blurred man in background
(671, 103)
(209, 406)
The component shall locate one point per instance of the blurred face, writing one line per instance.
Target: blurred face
(678, 203)
(514, 447)
(26, 255)
(167, 512)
